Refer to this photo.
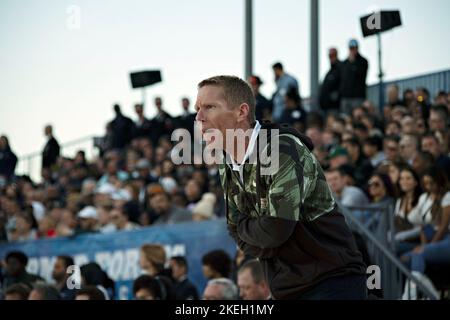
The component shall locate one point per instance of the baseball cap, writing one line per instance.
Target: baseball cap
(337, 151)
(88, 212)
(255, 80)
(353, 43)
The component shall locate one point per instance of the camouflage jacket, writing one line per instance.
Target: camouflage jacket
(296, 191)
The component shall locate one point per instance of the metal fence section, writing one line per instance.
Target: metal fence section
(30, 164)
(434, 82)
(375, 224)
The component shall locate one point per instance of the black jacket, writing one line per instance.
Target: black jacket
(185, 290)
(50, 153)
(8, 161)
(296, 256)
(353, 78)
(122, 129)
(263, 105)
(329, 91)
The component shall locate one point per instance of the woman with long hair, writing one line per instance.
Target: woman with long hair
(407, 219)
(434, 210)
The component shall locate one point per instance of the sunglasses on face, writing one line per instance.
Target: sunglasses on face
(374, 184)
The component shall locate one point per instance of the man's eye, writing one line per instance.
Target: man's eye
(209, 107)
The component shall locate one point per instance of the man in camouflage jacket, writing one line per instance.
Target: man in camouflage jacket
(286, 217)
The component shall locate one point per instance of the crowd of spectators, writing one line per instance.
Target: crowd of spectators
(397, 155)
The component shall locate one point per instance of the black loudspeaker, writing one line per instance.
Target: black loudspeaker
(145, 78)
(378, 22)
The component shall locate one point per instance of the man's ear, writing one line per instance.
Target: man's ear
(244, 110)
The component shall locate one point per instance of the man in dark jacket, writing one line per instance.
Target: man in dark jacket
(187, 118)
(284, 215)
(263, 108)
(8, 159)
(122, 129)
(329, 91)
(51, 150)
(16, 262)
(184, 288)
(353, 79)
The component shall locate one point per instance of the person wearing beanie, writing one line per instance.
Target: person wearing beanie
(204, 209)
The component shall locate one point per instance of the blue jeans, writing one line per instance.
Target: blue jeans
(348, 287)
(436, 253)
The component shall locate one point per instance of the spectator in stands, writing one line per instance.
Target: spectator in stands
(380, 188)
(284, 82)
(293, 113)
(422, 161)
(408, 97)
(434, 208)
(47, 227)
(43, 291)
(220, 289)
(184, 288)
(18, 291)
(8, 160)
(112, 173)
(67, 224)
(362, 168)
(23, 229)
(393, 96)
(409, 147)
(152, 259)
(122, 129)
(187, 118)
(93, 275)
(120, 218)
(391, 147)
(88, 220)
(373, 150)
(337, 157)
(193, 193)
(392, 128)
(146, 287)
(353, 79)
(61, 273)
(166, 212)
(251, 282)
(50, 153)
(406, 210)
(142, 126)
(162, 122)
(263, 107)
(329, 91)
(347, 195)
(90, 293)
(438, 120)
(216, 264)
(430, 143)
(204, 209)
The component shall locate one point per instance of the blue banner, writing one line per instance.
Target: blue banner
(118, 253)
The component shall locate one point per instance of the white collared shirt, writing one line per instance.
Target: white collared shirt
(248, 152)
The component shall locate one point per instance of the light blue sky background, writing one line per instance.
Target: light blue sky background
(71, 78)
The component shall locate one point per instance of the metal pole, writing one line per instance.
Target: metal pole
(380, 75)
(143, 96)
(248, 38)
(314, 53)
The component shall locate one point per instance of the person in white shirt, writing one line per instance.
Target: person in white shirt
(407, 220)
(434, 210)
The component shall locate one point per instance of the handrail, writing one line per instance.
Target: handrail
(392, 258)
(64, 145)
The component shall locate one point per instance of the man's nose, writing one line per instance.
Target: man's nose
(199, 116)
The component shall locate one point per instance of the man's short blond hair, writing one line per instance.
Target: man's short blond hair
(236, 92)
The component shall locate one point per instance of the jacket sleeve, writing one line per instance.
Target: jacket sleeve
(265, 232)
(250, 250)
